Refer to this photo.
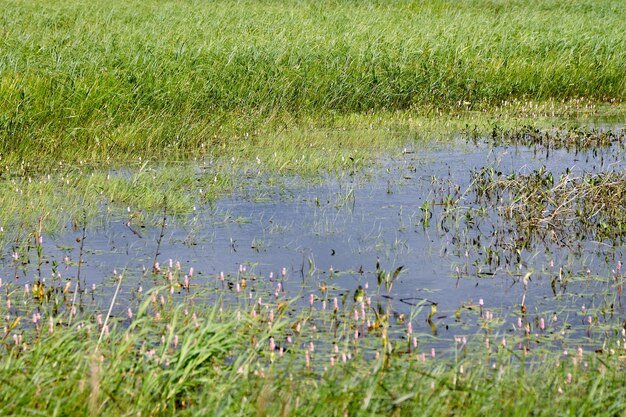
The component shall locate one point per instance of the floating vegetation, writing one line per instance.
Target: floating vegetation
(572, 139)
(564, 210)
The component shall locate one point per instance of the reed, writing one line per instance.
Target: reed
(91, 81)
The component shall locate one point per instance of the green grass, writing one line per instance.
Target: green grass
(182, 357)
(123, 79)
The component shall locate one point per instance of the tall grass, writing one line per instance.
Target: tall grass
(85, 80)
(178, 357)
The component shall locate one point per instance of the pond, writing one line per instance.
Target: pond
(447, 238)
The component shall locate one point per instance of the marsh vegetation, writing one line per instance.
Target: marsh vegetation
(312, 208)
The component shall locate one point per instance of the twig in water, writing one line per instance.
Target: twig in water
(82, 245)
(155, 269)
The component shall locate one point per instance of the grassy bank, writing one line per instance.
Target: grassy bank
(169, 355)
(91, 81)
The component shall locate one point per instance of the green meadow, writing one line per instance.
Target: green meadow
(91, 81)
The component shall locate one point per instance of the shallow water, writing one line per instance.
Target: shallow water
(333, 234)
